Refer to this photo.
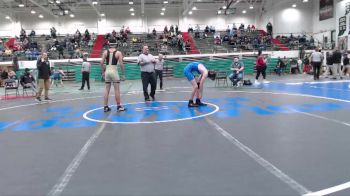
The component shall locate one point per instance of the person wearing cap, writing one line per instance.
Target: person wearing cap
(85, 71)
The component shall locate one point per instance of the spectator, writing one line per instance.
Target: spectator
(346, 64)
(154, 32)
(159, 66)
(176, 30)
(4, 75)
(337, 56)
(60, 51)
(43, 66)
(127, 30)
(307, 67)
(279, 65)
(85, 70)
(166, 29)
(57, 76)
(32, 33)
(237, 68)
(28, 54)
(329, 64)
(27, 80)
(294, 66)
(269, 28)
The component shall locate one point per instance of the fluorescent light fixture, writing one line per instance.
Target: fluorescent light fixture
(41, 16)
(8, 17)
(251, 7)
(72, 15)
(244, 11)
(162, 13)
(131, 3)
(294, 5)
(94, 3)
(33, 12)
(58, 1)
(66, 11)
(165, 2)
(219, 12)
(305, 1)
(224, 7)
(21, 5)
(132, 14)
(194, 8)
(131, 9)
(190, 12)
(163, 9)
(102, 14)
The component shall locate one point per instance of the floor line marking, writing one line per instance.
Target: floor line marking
(335, 89)
(330, 190)
(73, 166)
(260, 160)
(59, 187)
(323, 118)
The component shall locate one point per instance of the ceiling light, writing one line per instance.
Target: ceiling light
(163, 9)
(58, 1)
(7, 17)
(244, 11)
(165, 2)
(219, 12)
(132, 14)
(190, 12)
(131, 3)
(251, 7)
(72, 15)
(131, 9)
(102, 14)
(41, 16)
(194, 8)
(21, 5)
(305, 1)
(66, 11)
(50, 1)
(33, 12)
(94, 3)
(294, 5)
(162, 13)
(224, 7)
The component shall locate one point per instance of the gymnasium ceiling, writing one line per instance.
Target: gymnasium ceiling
(57, 7)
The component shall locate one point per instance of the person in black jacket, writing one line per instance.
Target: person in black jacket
(346, 64)
(329, 64)
(27, 80)
(44, 72)
(337, 64)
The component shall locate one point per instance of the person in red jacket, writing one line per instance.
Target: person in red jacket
(260, 67)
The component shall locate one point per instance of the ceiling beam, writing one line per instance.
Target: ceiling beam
(188, 6)
(94, 7)
(142, 7)
(43, 8)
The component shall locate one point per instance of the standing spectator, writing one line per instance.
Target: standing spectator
(176, 30)
(57, 75)
(60, 51)
(329, 64)
(316, 59)
(346, 64)
(279, 66)
(337, 64)
(15, 62)
(261, 65)
(159, 70)
(307, 67)
(85, 70)
(269, 28)
(146, 62)
(294, 66)
(44, 73)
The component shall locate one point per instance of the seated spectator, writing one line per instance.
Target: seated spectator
(32, 33)
(190, 30)
(253, 28)
(171, 30)
(28, 54)
(212, 29)
(166, 29)
(176, 30)
(279, 65)
(154, 32)
(294, 66)
(4, 75)
(217, 40)
(1, 54)
(127, 30)
(226, 38)
(27, 80)
(57, 75)
(237, 68)
(206, 30)
(53, 32)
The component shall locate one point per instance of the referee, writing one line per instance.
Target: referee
(85, 71)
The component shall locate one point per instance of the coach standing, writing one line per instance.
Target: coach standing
(147, 62)
(44, 72)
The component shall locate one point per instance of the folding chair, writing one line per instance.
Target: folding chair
(221, 76)
(25, 90)
(10, 85)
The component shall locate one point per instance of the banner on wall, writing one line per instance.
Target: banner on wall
(342, 25)
(343, 43)
(326, 9)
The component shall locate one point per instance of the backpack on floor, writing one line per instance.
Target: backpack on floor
(247, 82)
